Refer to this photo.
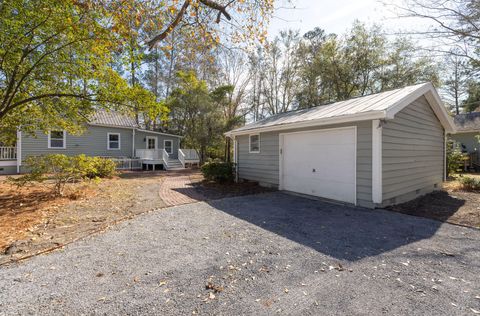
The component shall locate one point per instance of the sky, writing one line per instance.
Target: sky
(338, 15)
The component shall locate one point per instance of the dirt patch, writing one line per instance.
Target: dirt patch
(32, 220)
(451, 205)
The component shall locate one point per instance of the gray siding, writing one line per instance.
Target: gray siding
(468, 140)
(8, 169)
(412, 153)
(140, 141)
(93, 143)
(264, 166)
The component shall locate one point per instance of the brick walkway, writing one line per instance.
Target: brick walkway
(177, 189)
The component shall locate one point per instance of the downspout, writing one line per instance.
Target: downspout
(235, 159)
(133, 142)
(19, 149)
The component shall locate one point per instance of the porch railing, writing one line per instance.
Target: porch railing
(127, 163)
(8, 153)
(152, 154)
(188, 156)
(165, 157)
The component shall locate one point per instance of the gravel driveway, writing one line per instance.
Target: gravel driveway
(263, 254)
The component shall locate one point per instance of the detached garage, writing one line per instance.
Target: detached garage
(372, 151)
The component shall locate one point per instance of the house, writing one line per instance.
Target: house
(371, 151)
(108, 134)
(467, 128)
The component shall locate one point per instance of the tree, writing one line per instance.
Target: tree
(454, 23)
(55, 59)
(455, 85)
(194, 115)
(248, 19)
(472, 102)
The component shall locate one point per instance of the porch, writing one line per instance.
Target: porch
(8, 153)
(186, 158)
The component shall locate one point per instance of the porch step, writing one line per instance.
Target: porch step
(174, 164)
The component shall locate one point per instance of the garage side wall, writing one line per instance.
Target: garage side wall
(264, 166)
(412, 153)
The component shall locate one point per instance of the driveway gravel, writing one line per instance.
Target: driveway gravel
(264, 254)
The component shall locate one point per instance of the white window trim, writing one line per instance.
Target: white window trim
(151, 137)
(64, 140)
(171, 147)
(119, 141)
(250, 144)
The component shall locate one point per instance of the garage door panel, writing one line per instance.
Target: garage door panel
(321, 163)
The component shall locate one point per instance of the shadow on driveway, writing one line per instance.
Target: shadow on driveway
(342, 232)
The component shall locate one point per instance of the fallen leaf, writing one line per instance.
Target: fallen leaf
(211, 296)
(286, 290)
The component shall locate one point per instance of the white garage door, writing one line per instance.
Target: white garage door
(321, 163)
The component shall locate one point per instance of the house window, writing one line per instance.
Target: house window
(113, 141)
(56, 139)
(168, 145)
(151, 142)
(255, 143)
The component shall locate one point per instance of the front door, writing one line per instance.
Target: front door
(168, 145)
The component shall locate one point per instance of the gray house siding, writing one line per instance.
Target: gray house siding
(412, 153)
(8, 169)
(141, 143)
(264, 166)
(93, 142)
(468, 139)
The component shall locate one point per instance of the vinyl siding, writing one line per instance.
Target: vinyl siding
(140, 141)
(8, 169)
(93, 142)
(264, 166)
(412, 153)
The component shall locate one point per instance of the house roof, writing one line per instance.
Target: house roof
(468, 122)
(116, 119)
(112, 118)
(382, 105)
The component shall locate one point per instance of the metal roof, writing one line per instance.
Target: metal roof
(112, 118)
(467, 122)
(374, 106)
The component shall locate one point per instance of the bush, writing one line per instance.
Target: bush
(217, 170)
(63, 169)
(455, 159)
(469, 183)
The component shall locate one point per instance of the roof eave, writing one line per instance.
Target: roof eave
(366, 116)
(431, 94)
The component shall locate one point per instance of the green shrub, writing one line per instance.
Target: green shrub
(455, 159)
(103, 168)
(63, 169)
(469, 183)
(217, 170)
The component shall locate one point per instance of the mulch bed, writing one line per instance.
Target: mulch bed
(456, 207)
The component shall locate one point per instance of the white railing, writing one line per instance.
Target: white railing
(127, 163)
(165, 157)
(8, 153)
(152, 154)
(181, 157)
(188, 156)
